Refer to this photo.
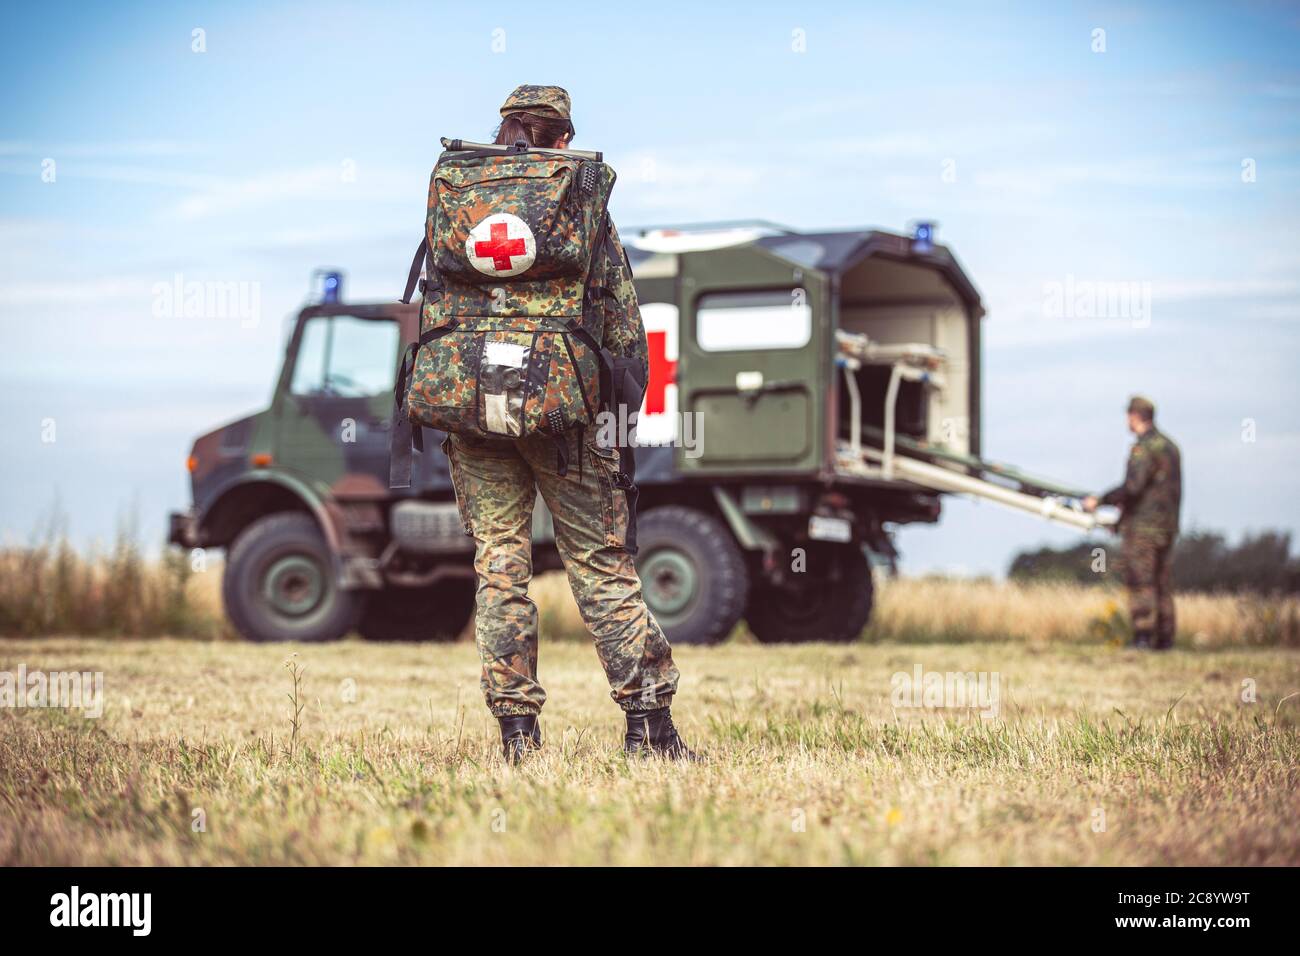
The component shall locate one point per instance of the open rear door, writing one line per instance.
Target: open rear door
(752, 337)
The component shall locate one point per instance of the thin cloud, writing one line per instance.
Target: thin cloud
(336, 182)
(135, 175)
(74, 293)
(132, 148)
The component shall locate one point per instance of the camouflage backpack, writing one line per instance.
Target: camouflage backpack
(509, 340)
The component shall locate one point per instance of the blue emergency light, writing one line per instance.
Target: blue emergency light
(331, 287)
(923, 237)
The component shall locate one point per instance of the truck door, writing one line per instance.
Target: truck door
(333, 405)
(750, 369)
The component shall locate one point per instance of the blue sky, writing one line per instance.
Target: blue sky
(303, 135)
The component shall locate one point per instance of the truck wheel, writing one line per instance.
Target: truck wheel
(436, 613)
(693, 575)
(829, 601)
(279, 583)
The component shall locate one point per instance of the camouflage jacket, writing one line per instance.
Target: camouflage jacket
(1152, 490)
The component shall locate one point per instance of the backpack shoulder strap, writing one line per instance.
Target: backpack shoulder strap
(597, 251)
(581, 332)
(404, 436)
(417, 264)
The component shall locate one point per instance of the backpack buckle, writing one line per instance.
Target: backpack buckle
(587, 179)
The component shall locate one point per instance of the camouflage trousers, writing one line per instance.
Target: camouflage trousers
(496, 484)
(1148, 560)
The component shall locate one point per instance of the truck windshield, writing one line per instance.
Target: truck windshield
(345, 357)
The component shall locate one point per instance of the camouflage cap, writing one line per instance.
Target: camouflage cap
(549, 101)
(1141, 405)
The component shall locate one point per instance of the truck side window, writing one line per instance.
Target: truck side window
(342, 356)
(734, 321)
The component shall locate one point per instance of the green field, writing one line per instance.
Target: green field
(1097, 756)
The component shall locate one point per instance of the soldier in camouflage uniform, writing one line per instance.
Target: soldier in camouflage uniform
(1149, 500)
(496, 482)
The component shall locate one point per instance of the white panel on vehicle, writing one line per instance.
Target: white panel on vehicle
(950, 414)
(657, 423)
(785, 323)
(678, 240)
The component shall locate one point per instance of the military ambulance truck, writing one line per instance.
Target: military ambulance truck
(808, 393)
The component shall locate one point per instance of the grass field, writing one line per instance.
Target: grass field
(49, 588)
(1097, 755)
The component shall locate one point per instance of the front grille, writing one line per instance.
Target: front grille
(428, 527)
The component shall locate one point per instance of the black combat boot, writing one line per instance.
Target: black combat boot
(519, 735)
(652, 732)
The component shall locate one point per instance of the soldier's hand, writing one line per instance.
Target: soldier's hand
(1090, 504)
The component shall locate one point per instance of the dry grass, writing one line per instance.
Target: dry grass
(935, 610)
(948, 611)
(50, 589)
(808, 760)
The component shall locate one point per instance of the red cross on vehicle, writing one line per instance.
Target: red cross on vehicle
(663, 371)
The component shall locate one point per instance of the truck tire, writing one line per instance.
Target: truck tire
(279, 583)
(830, 601)
(436, 613)
(693, 575)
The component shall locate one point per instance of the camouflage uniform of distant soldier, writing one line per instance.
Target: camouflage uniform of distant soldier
(496, 481)
(1149, 500)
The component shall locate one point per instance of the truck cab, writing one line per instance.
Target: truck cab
(298, 496)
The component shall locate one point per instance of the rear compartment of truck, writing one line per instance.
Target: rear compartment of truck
(894, 303)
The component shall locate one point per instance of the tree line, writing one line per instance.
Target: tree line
(1260, 563)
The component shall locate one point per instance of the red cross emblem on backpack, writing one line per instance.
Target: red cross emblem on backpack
(501, 245)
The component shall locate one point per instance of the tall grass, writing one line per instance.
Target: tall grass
(939, 610)
(49, 588)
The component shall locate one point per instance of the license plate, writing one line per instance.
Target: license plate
(822, 528)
